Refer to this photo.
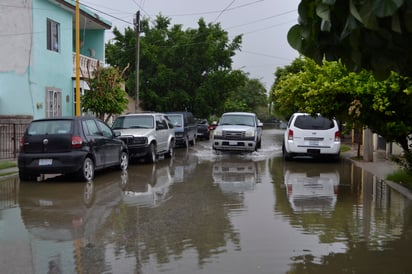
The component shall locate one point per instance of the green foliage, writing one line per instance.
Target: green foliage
(179, 69)
(7, 164)
(311, 88)
(403, 177)
(106, 95)
(372, 35)
(358, 99)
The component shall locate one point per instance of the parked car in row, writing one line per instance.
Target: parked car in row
(238, 131)
(308, 135)
(185, 127)
(203, 131)
(75, 146)
(147, 135)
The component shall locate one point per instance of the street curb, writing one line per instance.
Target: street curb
(396, 186)
(401, 189)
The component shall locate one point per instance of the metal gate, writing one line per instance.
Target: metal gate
(10, 135)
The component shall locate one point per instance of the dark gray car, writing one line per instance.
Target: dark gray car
(69, 145)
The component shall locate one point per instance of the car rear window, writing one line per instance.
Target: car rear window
(141, 121)
(310, 122)
(50, 127)
(176, 119)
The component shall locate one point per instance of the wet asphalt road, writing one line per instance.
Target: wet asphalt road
(207, 213)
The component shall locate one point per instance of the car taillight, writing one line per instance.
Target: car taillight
(290, 135)
(337, 136)
(77, 141)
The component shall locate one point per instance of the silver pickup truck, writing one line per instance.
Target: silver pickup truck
(238, 131)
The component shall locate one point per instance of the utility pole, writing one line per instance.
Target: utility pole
(77, 95)
(137, 27)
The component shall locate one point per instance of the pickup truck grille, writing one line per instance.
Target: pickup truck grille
(131, 140)
(234, 134)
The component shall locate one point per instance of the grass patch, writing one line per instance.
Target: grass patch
(344, 148)
(7, 164)
(402, 177)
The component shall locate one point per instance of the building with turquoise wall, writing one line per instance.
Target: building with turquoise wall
(37, 50)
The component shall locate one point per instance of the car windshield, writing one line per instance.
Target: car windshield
(141, 121)
(244, 120)
(310, 122)
(177, 120)
(50, 127)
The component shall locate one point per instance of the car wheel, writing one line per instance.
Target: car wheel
(124, 160)
(86, 172)
(259, 144)
(286, 155)
(171, 152)
(151, 154)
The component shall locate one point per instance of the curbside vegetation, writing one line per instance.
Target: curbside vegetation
(402, 177)
(7, 164)
(5, 167)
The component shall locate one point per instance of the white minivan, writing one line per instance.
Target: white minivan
(308, 135)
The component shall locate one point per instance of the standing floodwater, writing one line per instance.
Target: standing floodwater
(205, 213)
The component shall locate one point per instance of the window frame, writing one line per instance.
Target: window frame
(53, 35)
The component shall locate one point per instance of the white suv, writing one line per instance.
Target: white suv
(308, 135)
(238, 131)
(146, 135)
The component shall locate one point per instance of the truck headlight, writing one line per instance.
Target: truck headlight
(217, 132)
(250, 133)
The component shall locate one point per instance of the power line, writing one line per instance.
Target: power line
(266, 55)
(269, 27)
(262, 19)
(226, 8)
(107, 14)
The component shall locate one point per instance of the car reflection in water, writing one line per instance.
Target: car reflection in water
(150, 186)
(311, 187)
(235, 175)
(61, 215)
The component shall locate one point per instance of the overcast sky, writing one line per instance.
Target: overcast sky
(263, 23)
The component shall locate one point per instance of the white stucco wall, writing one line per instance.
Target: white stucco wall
(15, 35)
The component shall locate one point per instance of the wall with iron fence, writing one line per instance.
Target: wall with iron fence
(11, 131)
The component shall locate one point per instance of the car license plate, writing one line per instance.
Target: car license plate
(45, 162)
(232, 143)
(314, 143)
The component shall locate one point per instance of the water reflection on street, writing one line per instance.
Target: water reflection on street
(206, 213)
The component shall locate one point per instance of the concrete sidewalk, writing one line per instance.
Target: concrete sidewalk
(380, 167)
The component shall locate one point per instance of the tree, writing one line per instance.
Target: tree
(356, 98)
(374, 35)
(179, 69)
(106, 95)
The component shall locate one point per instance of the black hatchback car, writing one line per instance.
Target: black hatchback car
(75, 146)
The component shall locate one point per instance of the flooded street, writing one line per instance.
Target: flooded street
(206, 213)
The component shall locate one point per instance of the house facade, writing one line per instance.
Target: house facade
(37, 56)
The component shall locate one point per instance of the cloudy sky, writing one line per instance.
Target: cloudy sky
(263, 23)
